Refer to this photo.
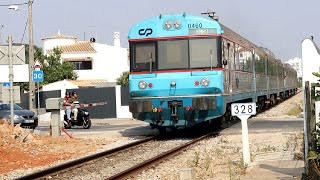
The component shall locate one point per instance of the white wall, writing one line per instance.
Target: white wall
(108, 63)
(20, 73)
(60, 85)
(122, 111)
(310, 61)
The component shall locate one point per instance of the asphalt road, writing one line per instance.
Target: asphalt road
(260, 125)
(109, 127)
(129, 127)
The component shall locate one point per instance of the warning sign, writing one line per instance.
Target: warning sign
(37, 64)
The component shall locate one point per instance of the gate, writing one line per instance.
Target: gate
(94, 95)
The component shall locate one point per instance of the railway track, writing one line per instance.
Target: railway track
(104, 162)
(130, 173)
(104, 159)
(43, 174)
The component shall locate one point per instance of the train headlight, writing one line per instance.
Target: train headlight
(205, 82)
(173, 84)
(142, 84)
(167, 25)
(177, 24)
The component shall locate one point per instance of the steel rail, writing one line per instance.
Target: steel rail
(77, 162)
(154, 160)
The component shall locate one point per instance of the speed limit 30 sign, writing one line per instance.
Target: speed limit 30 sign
(238, 109)
(37, 76)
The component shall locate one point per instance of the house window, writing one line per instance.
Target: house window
(82, 65)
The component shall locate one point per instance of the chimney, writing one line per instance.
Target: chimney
(116, 39)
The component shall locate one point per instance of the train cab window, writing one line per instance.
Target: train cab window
(173, 54)
(201, 51)
(143, 53)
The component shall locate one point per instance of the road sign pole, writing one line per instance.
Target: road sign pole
(38, 97)
(11, 78)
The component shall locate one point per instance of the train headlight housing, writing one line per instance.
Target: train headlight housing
(177, 24)
(205, 82)
(173, 84)
(142, 85)
(167, 25)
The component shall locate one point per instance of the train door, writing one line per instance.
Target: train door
(227, 63)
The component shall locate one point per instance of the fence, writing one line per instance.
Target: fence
(117, 99)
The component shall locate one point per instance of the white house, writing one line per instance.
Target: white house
(96, 64)
(92, 60)
(296, 63)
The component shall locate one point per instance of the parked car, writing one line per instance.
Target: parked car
(24, 117)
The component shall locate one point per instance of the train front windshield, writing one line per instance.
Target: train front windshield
(174, 54)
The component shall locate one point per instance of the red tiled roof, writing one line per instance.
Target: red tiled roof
(78, 47)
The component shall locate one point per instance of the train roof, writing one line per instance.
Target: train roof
(188, 26)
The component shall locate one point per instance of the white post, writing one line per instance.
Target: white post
(245, 139)
(244, 111)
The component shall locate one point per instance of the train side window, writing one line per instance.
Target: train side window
(260, 63)
(248, 61)
(231, 54)
(238, 57)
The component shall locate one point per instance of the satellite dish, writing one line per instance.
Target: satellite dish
(92, 40)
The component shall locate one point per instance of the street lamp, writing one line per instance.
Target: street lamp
(31, 53)
(13, 7)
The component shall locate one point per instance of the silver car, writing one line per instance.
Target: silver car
(24, 117)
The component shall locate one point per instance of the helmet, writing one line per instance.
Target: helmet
(74, 92)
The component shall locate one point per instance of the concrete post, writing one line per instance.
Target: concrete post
(55, 123)
(54, 105)
(187, 174)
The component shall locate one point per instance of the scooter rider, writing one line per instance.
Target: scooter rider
(66, 102)
(73, 100)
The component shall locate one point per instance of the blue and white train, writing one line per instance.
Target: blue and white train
(187, 69)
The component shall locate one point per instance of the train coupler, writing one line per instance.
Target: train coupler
(174, 109)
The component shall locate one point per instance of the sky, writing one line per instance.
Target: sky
(279, 25)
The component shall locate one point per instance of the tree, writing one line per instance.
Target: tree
(53, 69)
(123, 80)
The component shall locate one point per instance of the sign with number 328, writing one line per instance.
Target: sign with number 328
(238, 109)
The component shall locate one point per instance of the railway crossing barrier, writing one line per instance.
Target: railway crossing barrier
(84, 105)
(55, 105)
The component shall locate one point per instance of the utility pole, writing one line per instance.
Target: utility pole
(31, 59)
(1, 26)
(11, 79)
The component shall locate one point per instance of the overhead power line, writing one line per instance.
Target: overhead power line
(25, 28)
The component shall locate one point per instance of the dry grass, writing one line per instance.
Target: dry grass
(294, 111)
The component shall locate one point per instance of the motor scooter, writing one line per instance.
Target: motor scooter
(83, 119)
